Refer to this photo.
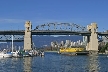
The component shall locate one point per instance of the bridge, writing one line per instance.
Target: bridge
(51, 32)
(55, 29)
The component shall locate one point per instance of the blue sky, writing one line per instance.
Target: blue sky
(14, 13)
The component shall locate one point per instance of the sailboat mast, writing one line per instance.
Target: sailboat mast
(12, 43)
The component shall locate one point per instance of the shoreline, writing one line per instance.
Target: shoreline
(52, 51)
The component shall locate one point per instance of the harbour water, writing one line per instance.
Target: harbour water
(53, 62)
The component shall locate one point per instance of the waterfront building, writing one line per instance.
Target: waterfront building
(84, 40)
(62, 43)
(71, 43)
(66, 44)
(52, 44)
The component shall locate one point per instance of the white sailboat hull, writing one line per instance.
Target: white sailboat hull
(5, 55)
(15, 54)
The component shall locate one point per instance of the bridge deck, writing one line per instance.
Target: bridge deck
(50, 32)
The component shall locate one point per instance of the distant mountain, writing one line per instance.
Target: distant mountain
(39, 41)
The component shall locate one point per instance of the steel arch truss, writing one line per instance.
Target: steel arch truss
(61, 26)
(8, 38)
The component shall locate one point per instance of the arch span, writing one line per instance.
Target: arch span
(61, 26)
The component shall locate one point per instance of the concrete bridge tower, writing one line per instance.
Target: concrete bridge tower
(28, 36)
(92, 41)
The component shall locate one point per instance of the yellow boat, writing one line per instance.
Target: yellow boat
(69, 50)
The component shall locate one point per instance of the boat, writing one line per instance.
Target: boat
(73, 51)
(17, 54)
(21, 53)
(42, 53)
(61, 50)
(33, 53)
(5, 54)
(25, 53)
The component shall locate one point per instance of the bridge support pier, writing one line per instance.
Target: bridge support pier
(28, 36)
(92, 41)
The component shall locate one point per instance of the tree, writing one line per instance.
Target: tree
(104, 48)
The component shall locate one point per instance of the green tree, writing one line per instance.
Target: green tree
(104, 48)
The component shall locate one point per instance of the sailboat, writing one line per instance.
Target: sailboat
(16, 53)
(4, 53)
(33, 52)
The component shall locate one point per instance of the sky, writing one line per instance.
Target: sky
(14, 13)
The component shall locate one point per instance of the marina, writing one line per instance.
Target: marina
(20, 53)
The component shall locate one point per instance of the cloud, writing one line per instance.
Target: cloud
(11, 20)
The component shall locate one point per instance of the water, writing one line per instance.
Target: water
(53, 62)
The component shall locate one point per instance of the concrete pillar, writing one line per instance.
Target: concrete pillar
(93, 39)
(88, 42)
(28, 36)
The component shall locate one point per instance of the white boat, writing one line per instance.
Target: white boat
(16, 54)
(42, 54)
(5, 54)
(33, 53)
